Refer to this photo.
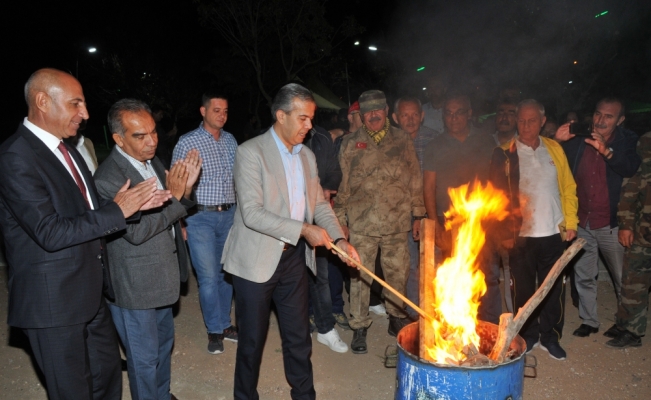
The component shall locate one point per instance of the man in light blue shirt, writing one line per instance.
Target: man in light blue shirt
(208, 227)
(281, 216)
(294, 175)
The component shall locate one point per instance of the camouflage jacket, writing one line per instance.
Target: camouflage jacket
(381, 186)
(634, 210)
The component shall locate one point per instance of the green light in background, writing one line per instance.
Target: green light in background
(601, 14)
(420, 69)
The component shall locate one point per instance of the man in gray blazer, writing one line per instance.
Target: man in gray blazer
(149, 259)
(273, 238)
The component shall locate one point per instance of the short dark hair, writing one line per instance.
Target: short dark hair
(119, 108)
(207, 96)
(156, 108)
(508, 101)
(613, 99)
(286, 95)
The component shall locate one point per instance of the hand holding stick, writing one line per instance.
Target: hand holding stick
(381, 282)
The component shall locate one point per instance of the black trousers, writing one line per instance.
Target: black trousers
(531, 259)
(80, 361)
(288, 290)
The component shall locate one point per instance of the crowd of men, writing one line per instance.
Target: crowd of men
(96, 259)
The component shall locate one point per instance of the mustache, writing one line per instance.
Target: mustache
(374, 118)
(601, 126)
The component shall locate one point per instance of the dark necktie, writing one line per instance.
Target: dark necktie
(75, 173)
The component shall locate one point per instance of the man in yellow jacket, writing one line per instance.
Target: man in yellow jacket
(534, 173)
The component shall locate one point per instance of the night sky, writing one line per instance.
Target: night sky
(478, 45)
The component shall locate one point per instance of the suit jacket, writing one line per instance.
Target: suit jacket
(262, 223)
(52, 239)
(147, 263)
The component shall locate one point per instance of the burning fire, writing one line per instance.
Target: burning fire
(459, 283)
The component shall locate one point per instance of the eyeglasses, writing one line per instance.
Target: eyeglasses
(459, 113)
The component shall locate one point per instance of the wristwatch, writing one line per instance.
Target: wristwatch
(609, 155)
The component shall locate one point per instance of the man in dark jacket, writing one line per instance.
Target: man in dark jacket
(325, 151)
(149, 259)
(53, 223)
(599, 164)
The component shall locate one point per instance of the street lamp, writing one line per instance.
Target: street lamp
(90, 50)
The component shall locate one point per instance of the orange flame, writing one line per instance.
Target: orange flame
(459, 283)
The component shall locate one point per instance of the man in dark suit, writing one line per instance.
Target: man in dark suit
(149, 258)
(52, 223)
(273, 238)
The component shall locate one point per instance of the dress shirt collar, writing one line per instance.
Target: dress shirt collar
(51, 141)
(205, 131)
(281, 146)
(136, 163)
(522, 145)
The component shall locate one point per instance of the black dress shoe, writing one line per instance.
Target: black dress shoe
(612, 332)
(585, 330)
(358, 344)
(625, 339)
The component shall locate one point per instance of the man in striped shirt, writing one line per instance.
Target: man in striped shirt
(208, 227)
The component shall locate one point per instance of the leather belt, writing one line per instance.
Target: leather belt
(218, 207)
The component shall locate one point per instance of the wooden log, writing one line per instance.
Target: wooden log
(380, 281)
(509, 326)
(427, 269)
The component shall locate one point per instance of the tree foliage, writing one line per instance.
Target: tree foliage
(279, 39)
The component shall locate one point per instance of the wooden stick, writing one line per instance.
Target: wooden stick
(509, 326)
(427, 274)
(380, 281)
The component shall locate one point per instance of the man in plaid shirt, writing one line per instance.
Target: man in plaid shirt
(208, 227)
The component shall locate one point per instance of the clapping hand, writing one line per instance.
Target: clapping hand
(193, 164)
(176, 179)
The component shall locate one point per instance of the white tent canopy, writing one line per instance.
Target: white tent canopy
(321, 102)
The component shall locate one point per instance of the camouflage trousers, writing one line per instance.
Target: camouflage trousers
(636, 280)
(395, 266)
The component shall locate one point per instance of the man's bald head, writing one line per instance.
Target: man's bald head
(46, 80)
(55, 102)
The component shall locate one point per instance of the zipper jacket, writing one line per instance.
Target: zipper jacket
(504, 174)
(623, 163)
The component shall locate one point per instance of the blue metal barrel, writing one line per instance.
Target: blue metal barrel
(418, 379)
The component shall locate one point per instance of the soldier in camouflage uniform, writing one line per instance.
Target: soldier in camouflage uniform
(634, 217)
(381, 189)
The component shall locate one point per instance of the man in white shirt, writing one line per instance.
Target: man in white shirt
(534, 172)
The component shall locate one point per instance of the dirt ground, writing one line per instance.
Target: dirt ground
(591, 371)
